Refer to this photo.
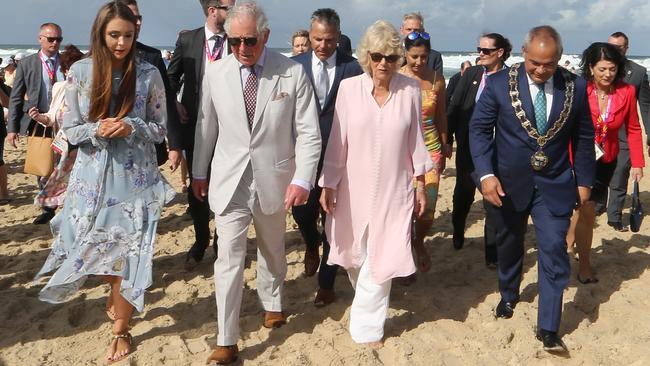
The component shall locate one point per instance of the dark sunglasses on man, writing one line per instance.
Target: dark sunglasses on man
(248, 41)
(415, 35)
(486, 51)
(376, 57)
(53, 39)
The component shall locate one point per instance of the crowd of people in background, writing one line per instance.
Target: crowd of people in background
(353, 143)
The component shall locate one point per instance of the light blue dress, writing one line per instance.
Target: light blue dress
(115, 192)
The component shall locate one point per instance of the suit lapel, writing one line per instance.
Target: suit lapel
(199, 57)
(524, 95)
(475, 85)
(232, 78)
(268, 81)
(559, 96)
(38, 78)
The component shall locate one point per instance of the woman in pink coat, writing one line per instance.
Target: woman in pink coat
(375, 150)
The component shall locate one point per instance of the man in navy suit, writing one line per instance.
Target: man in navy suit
(326, 67)
(524, 124)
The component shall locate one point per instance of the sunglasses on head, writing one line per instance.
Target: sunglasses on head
(53, 39)
(248, 41)
(376, 57)
(486, 51)
(415, 35)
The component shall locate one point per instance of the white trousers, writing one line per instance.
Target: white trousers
(370, 305)
(232, 228)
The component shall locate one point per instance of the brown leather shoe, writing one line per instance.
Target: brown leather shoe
(274, 319)
(324, 297)
(223, 355)
(312, 260)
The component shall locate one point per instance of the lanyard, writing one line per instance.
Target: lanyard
(601, 122)
(217, 53)
(51, 72)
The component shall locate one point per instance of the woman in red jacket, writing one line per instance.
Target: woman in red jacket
(613, 106)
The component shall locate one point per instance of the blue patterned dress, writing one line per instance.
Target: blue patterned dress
(115, 192)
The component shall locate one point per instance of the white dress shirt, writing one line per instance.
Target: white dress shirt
(331, 69)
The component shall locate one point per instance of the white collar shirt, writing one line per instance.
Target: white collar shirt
(548, 90)
(331, 69)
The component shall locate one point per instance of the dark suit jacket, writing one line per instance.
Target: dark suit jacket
(460, 109)
(451, 86)
(25, 93)
(435, 60)
(185, 69)
(637, 75)
(501, 146)
(346, 66)
(154, 57)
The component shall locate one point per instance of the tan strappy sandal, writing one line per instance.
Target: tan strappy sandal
(116, 338)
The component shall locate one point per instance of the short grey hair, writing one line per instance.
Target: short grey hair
(414, 15)
(327, 16)
(380, 37)
(248, 9)
(545, 32)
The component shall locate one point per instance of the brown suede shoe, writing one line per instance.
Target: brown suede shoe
(324, 297)
(312, 260)
(274, 319)
(223, 355)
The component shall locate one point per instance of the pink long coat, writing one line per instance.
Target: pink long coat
(371, 158)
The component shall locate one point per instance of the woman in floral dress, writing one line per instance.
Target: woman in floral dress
(115, 114)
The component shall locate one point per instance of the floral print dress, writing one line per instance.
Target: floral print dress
(115, 192)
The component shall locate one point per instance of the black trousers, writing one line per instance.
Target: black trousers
(200, 211)
(306, 217)
(618, 186)
(463, 199)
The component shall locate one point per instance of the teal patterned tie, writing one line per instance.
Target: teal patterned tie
(540, 110)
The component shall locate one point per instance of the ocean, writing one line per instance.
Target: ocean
(451, 59)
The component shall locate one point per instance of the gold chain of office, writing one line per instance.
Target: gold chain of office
(539, 160)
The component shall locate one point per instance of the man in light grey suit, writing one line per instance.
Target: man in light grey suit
(258, 125)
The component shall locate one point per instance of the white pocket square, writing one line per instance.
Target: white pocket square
(280, 96)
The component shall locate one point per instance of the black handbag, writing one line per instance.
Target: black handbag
(636, 215)
(161, 153)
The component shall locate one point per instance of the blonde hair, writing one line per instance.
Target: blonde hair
(380, 37)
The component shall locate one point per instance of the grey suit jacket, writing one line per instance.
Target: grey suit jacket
(283, 144)
(25, 93)
(637, 75)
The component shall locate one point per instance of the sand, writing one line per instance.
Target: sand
(445, 318)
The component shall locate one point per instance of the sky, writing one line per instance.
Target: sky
(453, 24)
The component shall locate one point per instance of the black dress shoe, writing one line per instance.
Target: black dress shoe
(458, 240)
(617, 226)
(44, 217)
(194, 256)
(552, 342)
(504, 310)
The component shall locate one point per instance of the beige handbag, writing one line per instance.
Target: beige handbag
(40, 157)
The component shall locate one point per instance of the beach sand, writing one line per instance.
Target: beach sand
(445, 318)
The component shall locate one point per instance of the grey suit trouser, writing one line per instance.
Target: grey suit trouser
(232, 229)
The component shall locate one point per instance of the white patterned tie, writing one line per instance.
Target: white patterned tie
(323, 83)
(250, 95)
(540, 110)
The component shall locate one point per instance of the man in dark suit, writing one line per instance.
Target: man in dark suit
(520, 133)
(153, 56)
(636, 75)
(326, 66)
(494, 50)
(414, 22)
(194, 50)
(35, 76)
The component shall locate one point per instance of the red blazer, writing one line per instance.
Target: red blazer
(623, 110)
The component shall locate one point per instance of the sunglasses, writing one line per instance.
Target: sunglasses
(139, 18)
(223, 7)
(248, 41)
(415, 35)
(376, 57)
(53, 39)
(486, 51)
